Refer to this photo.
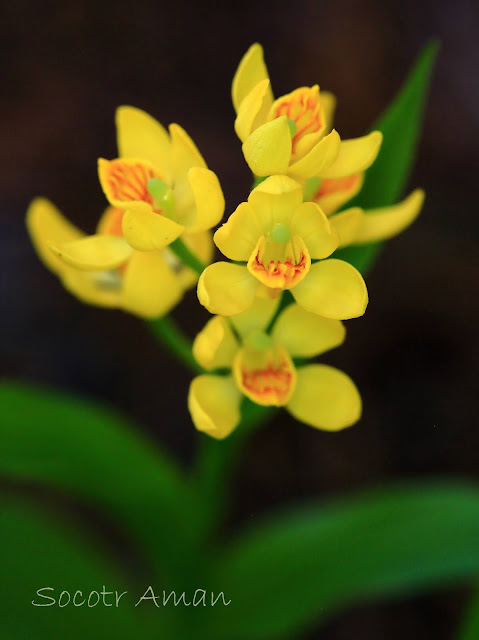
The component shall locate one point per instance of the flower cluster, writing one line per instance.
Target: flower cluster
(280, 244)
(160, 193)
(280, 298)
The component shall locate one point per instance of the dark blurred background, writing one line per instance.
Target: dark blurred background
(64, 67)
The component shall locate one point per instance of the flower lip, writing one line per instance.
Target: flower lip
(126, 181)
(266, 375)
(302, 107)
(279, 265)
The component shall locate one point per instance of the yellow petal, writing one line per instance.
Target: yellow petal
(214, 405)
(381, 224)
(257, 317)
(310, 223)
(252, 112)
(46, 225)
(303, 145)
(325, 398)
(251, 70)
(147, 231)
(185, 153)
(201, 244)
(347, 224)
(150, 286)
(305, 334)
(321, 156)
(237, 237)
(94, 253)
(328, 103)
(354, 156)
(209, 199)
(141, 136)
(101, 288)
(274, 201)
(335, 192)
(268, 149)
(184, 156)
(333, 289)
(215, 345)
(226, 289)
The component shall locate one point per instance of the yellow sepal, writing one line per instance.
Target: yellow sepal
(347, 224)
(325, 398)
(46, 225)
(209, 199)
(93, 287)
(321, 156)
(214, 405)
(226, 289)
(384, 223)
(319, 236)
(139, 135)
(215, 346)
(354, 156)
(148, 231)
(333, 289)
(93, 253)
(251, 110)
(184, 156)
(328, 104)
(237, 237)
(274, 201)
(150, 286)
(305, 334)
(251, 70)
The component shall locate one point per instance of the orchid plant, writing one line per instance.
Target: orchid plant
(297, 252)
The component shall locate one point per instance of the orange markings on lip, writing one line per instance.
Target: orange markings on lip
(279, 274)
(270, 384)
(128, 181)
(111, 222)
(333, 185)
(303, 108)
(111, 225)
(266, 377)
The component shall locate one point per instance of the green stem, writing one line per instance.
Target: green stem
(187, 257)
(469, 625)
(175, 341)
(215, 463)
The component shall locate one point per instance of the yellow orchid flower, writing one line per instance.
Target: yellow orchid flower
(355, 226)
(263, 370)
(104, 270)
(160, 182)
(292, 135)
(278, 235)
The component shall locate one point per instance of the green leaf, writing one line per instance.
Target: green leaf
(40, 552)
(95, 454)
(469, 627)
(401, 127)
(303, 567)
